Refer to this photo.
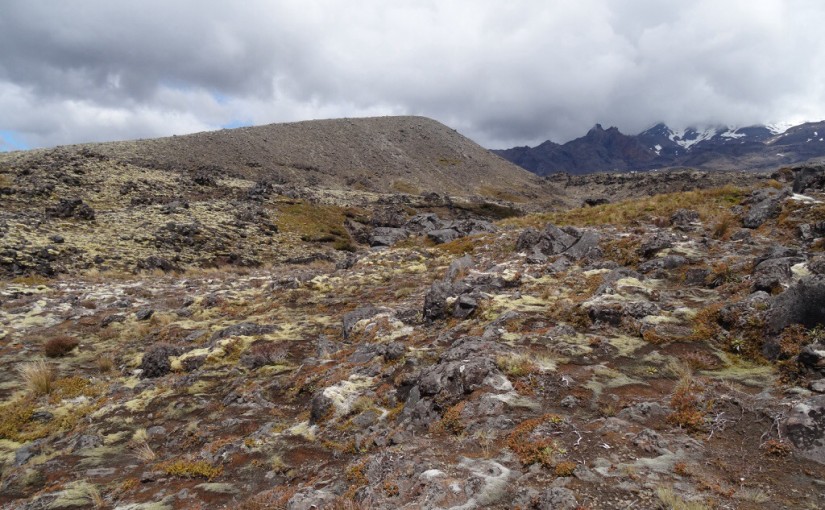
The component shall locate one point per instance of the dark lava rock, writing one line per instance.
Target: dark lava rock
(805, 427)
(684, 218)
(803, 303)
(112, 318)
(392, 217)
(144, 314)
(660, 263)
(394, 351)
(592, 202)
(766, 204)
(817, 264)
(71, 208)
(458, 267)
(464, 307)
(809, 177)
(586, 247)
(769, 275)
(650, 246)
(154, 262)
(424, 222)
(556, 498)
(812, 357)
(444, 235)
(387, 236)
(461, 370)
(352, 318)
(320, 407)
(550, 241)
(156, 362)
(242, 329)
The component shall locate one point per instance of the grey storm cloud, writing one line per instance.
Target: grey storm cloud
(503, 73)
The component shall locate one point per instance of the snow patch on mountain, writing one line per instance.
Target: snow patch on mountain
(691, 136)
(779, 127)
(733, 133)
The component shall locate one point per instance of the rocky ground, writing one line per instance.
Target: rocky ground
(663, 352)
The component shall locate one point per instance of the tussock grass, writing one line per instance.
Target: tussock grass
(671, 501)
(711, 203)
(38, 376)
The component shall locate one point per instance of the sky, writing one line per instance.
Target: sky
(502, 73)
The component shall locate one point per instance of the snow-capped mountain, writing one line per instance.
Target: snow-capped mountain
(710, 147)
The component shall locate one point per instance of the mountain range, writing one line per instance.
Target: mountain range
(711, 148)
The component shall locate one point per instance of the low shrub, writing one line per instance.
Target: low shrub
(59, 346)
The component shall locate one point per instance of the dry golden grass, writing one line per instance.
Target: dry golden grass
(105, 363)
(38, 376)
(673, 502)
(711, 204)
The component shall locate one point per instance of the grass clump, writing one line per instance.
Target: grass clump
(38, 376)
(671, 501)
(59, 346)
(712, 202)
(315, 223)
(516, 365)
(191, 469)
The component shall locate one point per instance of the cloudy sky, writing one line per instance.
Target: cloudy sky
(503, 73)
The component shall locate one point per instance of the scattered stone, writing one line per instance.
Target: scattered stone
(684, 218)
(155, 262)
(354, 317)
(242, 329)
(144, 314)
(71, 208)
(109, 319)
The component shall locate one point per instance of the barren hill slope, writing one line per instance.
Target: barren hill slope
(382, 154)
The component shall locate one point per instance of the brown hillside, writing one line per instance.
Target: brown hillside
(382, 154)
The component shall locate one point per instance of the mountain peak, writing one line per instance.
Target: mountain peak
(711, 147)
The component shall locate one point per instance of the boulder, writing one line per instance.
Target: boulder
(805, 427)
(662, 263)
(352, 318)
(459, 266)
(684, 218)
(242, 329)
(803, 303)
(387, 236)
(765, 205)
(655, 243)
(71, 208)
(573, 243)
(809, 177)
(393, 217)
(586, 247)
(423, 223)
(771, 274)
(444, 235)
(465, 305)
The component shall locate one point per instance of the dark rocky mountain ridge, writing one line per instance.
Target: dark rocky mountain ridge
(713, 148)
